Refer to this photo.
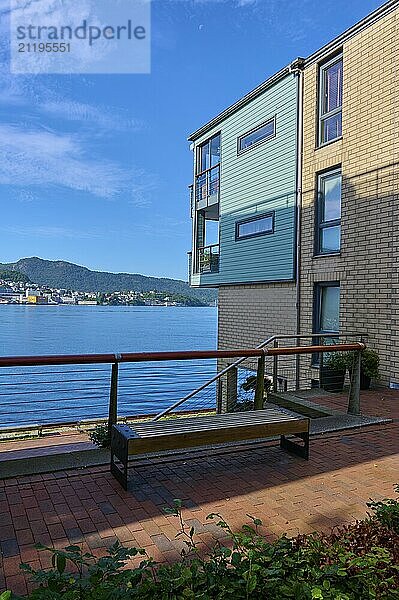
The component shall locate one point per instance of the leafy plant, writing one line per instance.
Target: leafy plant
(100, 436)
(387, 511)
(354, 562)
(336, 361)
(369, 362)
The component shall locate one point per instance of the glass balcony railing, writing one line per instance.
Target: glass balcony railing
(207, 185)
(208, 259)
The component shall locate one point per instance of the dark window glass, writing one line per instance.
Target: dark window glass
(215, 150)
(254, 227)
(328, 225)
(326, 315)
(209, 154)
(264, 132)
(329, 309)
(330, 117)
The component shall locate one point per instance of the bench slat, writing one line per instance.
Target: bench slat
(263, 416)
(188, 439)
(190, 432)
(180, 428)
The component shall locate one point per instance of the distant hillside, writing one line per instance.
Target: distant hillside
(62, 274)
(13, 276)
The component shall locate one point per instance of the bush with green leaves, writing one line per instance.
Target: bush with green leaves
(387, 511)
(336, 361)
(369, 362)
(355, 562)
(100, 436)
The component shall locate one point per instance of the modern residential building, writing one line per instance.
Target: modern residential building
(299, 180)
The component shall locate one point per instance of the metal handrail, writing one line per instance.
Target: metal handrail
(205, 176)
(207, 383)
(235, 364)
(81, 359)
(208, 170)
(208, 246)
(240, 354)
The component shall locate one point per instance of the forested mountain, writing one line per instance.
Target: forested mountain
(66, 275)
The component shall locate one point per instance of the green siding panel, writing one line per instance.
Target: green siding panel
(260, 180)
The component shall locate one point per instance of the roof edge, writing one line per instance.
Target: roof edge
(239, 103)
(367, 21)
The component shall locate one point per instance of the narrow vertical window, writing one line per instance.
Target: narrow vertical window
(330, 101)
(328, 213)
(327, 309)
(208, 169)
(326, 314)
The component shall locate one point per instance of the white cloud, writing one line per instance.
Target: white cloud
(106, 118)
(37, 157)
(49, 232)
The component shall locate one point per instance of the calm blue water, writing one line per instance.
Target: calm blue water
(72, 393)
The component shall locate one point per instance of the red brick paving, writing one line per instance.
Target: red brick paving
(42, 446)
(289, 494)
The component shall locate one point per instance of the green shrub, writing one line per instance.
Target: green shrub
(387, 511)
(369, 363)
(354, 562)
(100, 436)
(336, 361)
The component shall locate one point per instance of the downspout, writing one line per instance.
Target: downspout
(296, 67)
(193, 209)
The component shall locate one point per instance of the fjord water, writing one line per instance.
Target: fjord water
(38, 395)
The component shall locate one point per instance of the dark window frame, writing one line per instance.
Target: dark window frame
(267, 215)
(318, 223)
(323, 67)
(316, 319)
(273, 120)
(198, 170)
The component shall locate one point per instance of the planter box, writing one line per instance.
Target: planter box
(331, 380)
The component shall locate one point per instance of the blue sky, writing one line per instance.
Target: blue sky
(94, 169)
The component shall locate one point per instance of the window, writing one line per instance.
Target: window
(209, 154)
(326, 308)
(208, 169)
(330, 101)
(255, 226)
(328, 213)
(256, 136)
(325, 313)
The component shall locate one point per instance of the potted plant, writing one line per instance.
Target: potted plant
(332, 372)
(369, 366)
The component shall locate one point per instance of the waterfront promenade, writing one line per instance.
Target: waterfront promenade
(88, 506)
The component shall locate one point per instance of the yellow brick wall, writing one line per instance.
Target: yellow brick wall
(249, 314)
(367, 267)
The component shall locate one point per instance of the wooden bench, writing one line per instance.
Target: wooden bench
(173, 434)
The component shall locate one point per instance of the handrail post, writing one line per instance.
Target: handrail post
(354, 390)
(231, 388)
(275, 368)
(113, 398)
(219, 396)
(260, 384)
(298, 367)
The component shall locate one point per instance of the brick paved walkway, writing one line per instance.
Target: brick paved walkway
(288, 494)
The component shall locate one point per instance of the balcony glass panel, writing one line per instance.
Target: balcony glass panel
(208, 259)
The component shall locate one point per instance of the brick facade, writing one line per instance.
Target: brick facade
(368, 262)
(368, 156)
(249, 314)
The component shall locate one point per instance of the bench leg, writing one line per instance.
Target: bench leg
(118, 473)
(294, 447)
(119, 458)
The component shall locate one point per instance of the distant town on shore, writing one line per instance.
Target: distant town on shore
(34, 281)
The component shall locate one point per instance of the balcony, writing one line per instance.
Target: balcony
(208, 259)
(207, 186)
